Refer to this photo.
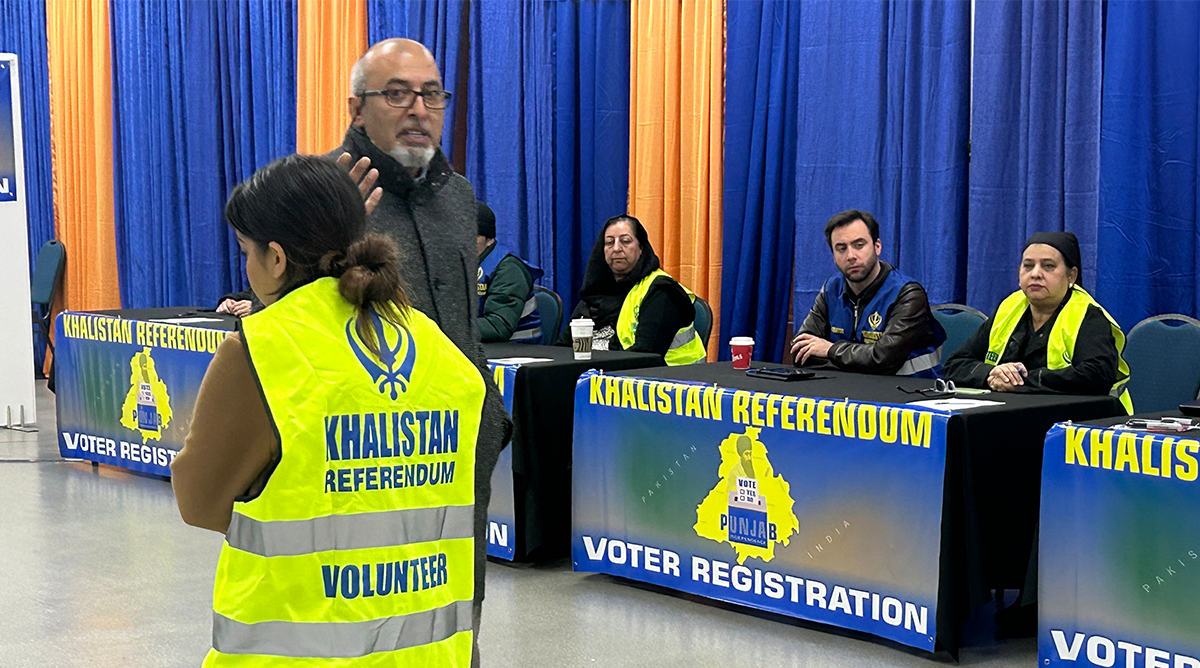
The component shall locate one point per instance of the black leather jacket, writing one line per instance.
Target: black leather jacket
(909, 326)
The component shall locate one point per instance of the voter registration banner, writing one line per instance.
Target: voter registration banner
(825, 510)
(125, 389)
(502, 522)
(1119, 549)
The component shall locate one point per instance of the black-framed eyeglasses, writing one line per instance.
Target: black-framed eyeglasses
(940, 387)
(403, 98)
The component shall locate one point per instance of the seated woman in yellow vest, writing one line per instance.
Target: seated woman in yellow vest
(1049, 336)
(634, 304)
(333, 442)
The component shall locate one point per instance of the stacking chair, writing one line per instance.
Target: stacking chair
(1163, 353)
(960, 322)
(47, 272)
(704, 319)
(550, 309)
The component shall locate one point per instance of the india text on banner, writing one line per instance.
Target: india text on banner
(819, 509)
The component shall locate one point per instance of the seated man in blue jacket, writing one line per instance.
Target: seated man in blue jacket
(507, 309)
(868, 318)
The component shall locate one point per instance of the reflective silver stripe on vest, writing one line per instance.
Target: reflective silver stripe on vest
(683, 337)
(340, 640)
(921, 363)
(349, 532)
(523, 334)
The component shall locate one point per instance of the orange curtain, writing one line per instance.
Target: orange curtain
(676, 132)
(330, 37)
(82, 150)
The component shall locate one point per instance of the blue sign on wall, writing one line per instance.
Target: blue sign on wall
(8, 153)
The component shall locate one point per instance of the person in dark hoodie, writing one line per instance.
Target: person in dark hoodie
(634, 304)
(397, 107)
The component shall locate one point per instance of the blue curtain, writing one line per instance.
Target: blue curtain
(438, 25)
(548, 126)
(23, 32)
(762, 55)
(203, 94)
(1149, 145)
(884, 112)
(1035, 136)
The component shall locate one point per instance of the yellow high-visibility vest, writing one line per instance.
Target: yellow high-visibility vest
(686, 347)
(359, 550)
(1061, 345)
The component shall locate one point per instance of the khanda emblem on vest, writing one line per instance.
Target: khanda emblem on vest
(875, 320)
(389, 372)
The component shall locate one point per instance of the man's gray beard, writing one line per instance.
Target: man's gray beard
(413, 158)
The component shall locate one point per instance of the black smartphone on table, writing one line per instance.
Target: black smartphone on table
(785, 374)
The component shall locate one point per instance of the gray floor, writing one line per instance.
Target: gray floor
(98, 570)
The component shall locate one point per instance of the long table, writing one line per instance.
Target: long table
(530, 510)
(866, 511)
(1119, 549)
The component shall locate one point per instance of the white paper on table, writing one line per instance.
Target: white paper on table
(518, 361)
(186, 321)
(954, 404)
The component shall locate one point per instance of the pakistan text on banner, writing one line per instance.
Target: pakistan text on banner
(126, 388)
(1119, 549)
(825, 510)
(502, 515)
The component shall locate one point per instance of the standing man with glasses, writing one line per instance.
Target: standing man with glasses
(397, 109)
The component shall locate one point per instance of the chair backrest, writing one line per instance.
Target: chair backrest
(704, 319)
(550, 309)
(47, 270)
(960, 322)
(1163, 353)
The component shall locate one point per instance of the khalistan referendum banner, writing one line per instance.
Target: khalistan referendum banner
(820, 509)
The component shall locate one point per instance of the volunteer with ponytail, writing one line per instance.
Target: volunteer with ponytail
(1049, 336)
(333, 442)
(634, 304)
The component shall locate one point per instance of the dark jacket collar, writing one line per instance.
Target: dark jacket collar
(394, 177)
(869, 293)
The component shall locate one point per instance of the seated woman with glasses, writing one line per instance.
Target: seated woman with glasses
(633, 304)
(1049, 336)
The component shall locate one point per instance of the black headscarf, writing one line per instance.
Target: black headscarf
(601, 291)
(1065, 243)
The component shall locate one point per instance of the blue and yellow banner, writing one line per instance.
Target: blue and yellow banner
(825, 510)
(126, 388)
(1119, 549)
(502, 515)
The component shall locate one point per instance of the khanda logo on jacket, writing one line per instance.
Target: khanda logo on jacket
(389, 371)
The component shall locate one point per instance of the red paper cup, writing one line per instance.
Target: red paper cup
(743, 350)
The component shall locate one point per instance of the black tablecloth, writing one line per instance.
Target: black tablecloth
(228, 322)
(543, 424)
(993, 474)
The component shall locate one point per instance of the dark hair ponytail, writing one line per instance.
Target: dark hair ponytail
(310, 207)
(368, 276)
